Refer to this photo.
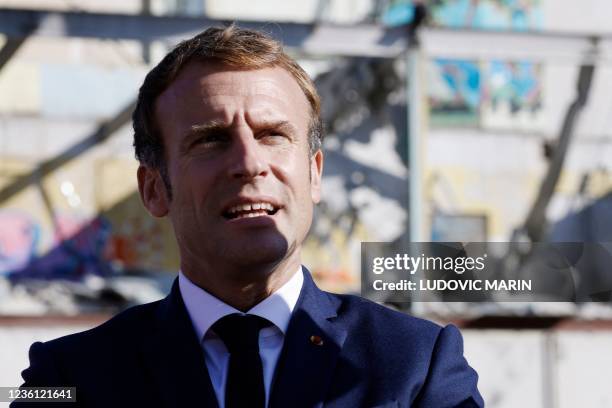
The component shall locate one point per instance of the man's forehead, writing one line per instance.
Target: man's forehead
(210, 82)
(258, 86)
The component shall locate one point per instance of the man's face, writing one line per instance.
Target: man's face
(242, 178)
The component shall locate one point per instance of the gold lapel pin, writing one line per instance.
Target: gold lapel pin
(316, 340)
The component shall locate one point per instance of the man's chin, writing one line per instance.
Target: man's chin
(257, 248)
(257, 256)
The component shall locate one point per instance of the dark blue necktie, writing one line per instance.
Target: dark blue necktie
(245, 385)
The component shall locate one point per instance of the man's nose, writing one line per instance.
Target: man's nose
(247, 159)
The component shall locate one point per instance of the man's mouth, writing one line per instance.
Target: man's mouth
(250, 210)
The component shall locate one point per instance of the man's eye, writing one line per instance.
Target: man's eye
(271, 135)
(210, 140)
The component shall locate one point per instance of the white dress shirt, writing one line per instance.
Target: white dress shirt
(204, 310)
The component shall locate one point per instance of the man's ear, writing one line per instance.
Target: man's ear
(316, 172)
(152, 191)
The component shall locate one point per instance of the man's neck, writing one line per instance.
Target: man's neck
(246, 288)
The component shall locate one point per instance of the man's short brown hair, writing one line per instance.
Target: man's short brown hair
(232, 46)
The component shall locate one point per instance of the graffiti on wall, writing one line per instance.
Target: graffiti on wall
(19, 239)
(78, 246)
(513, 90)
(486, 94)
(454, 92)
(139, 241)
(123, 238)
(398, 12)
(516, 15)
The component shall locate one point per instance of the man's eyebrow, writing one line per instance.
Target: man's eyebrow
(199, 130)
(281, 125)
(212, 126)
(218, 125)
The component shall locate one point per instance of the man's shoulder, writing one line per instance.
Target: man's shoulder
(86, 359)
(375, 318)
(422, 359)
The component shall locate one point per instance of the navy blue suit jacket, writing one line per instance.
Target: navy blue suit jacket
(370, 356)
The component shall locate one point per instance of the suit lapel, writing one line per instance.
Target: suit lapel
(310, 351)
(176, 359)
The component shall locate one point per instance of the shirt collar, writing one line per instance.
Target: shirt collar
(205, 309)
